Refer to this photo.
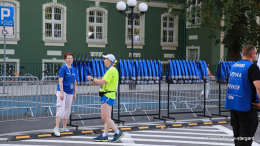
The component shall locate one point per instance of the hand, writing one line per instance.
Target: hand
(257, 104)
(89, 78)
(62, 96)
(74, 96)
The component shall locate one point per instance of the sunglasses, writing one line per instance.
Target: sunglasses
(254, 53)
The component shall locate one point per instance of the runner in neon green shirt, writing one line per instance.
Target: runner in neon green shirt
(111, 77)
(107, 94)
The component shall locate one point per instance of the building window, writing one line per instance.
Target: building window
(54, 27)
(193, 52)
(169, 32)
(15, 37)
(53, 23)
(138, 31)
(194, 4)
(96, 26)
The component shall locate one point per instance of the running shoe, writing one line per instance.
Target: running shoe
(117, 137)
(56, 131)
(101, 138)
(65, 130)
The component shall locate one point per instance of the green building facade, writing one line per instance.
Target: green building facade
(45, 30)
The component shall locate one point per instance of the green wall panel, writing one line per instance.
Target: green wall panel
(31, 48)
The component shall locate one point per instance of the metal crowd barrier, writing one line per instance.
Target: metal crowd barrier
(25, 95)
(18, 97)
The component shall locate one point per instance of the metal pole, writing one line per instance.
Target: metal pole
(132, 29)
(219, 86)
(4, 57)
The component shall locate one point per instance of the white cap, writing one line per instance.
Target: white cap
(111, 57)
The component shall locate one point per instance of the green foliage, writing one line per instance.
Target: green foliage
(239, 16)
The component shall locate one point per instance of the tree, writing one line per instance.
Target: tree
(239, 16)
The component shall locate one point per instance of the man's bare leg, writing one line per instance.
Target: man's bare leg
(106, 117)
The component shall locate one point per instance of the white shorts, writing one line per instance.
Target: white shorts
(64, 106)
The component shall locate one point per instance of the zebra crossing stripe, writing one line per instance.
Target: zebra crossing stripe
(228, 143)
(177, 132)
(86, 142)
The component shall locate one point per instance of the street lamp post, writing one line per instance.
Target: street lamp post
(121, 6)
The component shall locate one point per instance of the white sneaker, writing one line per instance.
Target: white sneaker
(56, 131)
(65, 130)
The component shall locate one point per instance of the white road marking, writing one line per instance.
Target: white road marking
(171, 132)
(149, 135)
(85, 142)
(136, 139)
(127, 138)
(230, 133)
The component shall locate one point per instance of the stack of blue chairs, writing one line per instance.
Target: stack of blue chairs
(223, 70)
(186, 71)
(140, 71)
(92, 67)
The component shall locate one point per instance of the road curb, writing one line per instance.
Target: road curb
(99, 131)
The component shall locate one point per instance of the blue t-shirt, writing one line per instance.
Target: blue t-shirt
(66, 73)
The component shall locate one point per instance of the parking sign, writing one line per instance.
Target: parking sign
(6, 16)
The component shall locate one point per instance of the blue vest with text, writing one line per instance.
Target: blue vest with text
(239, 91)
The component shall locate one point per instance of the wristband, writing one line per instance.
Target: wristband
(92, 79)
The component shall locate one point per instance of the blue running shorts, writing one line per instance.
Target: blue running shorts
(107, 100)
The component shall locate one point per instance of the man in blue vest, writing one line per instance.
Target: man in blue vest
(243, 85)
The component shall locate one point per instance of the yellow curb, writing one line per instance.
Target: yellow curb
(176, 124)
(145, 127)
(159, 126)
(19, 137)
(193, 124)
(44, 135)
(125, 128)
(108, 130)
(207, 123)
(65, 133)
(90, 131)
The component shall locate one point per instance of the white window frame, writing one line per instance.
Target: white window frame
(95, 43)
(141, 43)
(8, 60)
(53, 41)
(188, 24)
(53, 60)
(173, 45)
(16, 37)
(190, 48)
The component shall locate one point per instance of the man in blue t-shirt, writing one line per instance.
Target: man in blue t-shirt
(243, 85)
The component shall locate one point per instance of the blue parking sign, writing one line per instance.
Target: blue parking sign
(6, 16)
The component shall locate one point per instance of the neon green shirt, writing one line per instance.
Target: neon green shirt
(111, 77)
